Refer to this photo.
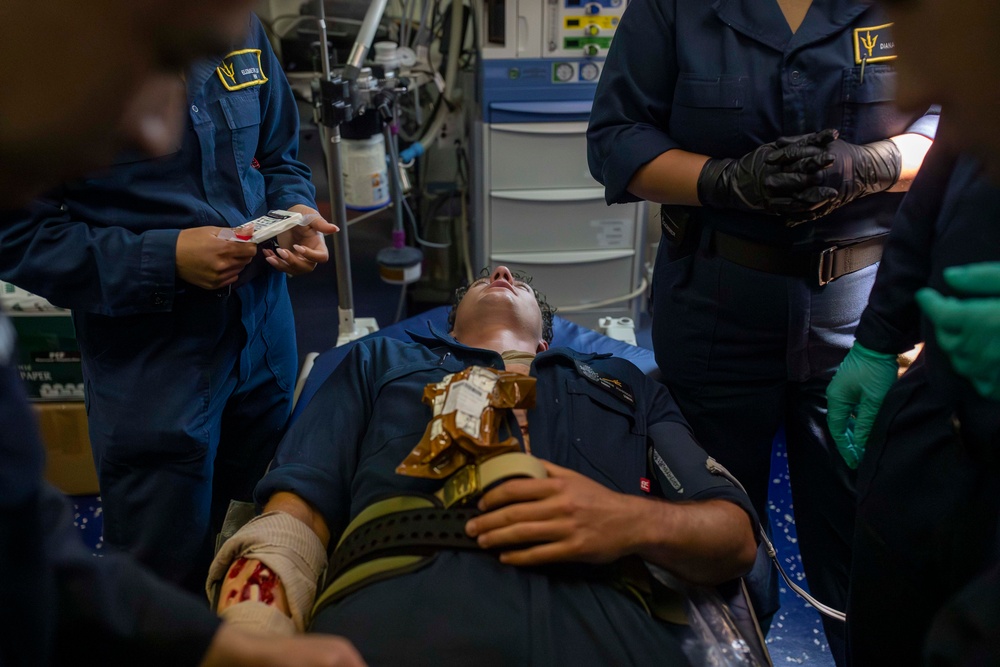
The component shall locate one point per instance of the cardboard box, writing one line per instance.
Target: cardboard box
(69, 464)
(48, 356)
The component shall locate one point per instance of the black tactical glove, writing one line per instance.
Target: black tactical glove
(848, 171)
(778, 178)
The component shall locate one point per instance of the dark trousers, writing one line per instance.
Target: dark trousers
(927, 521)
(744, 352)
(185, 414)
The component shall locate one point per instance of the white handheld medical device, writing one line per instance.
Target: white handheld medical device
(267, 226)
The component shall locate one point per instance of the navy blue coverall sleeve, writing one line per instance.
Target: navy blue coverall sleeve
(318, 457)
(115, 610)
(636, 102)
(109, 270)
(62, 604)
(120, 257)
(287, 180)
(891, 321)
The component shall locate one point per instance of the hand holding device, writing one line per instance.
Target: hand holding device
(303, 246)
(206, 259)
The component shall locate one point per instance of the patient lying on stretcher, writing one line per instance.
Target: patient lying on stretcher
(404, 512)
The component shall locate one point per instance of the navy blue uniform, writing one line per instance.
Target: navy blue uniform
(744, 351)
(61, 604)
(187, 390)
(466, 605)
(929, 493)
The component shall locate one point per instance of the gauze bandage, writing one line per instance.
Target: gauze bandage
(258, 618)
(285, 545)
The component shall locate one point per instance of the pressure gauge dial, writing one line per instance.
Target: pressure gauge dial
(589, 71)
(564, 72)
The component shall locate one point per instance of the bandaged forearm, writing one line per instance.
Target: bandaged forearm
(258, 618)
(286, 546)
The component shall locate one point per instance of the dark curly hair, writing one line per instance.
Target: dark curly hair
(547, 311)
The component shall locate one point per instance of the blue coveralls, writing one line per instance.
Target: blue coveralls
(188, 391)
(744, 351)
(928, 485)
(61, 604)
(465, 605)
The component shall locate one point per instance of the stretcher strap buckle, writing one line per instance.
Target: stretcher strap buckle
(469, 482)
(461, 486)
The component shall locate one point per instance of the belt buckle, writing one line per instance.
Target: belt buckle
(824, 266)
(462, 485)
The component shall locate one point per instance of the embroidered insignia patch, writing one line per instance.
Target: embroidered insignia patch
(874, 44)
(614, 386)
(241, 69)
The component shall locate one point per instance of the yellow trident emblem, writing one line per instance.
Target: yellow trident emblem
(869, 42)
(230, 70)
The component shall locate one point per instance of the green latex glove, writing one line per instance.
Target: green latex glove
(968, 329)
(854, 396)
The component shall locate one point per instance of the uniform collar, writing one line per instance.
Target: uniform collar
(764, 22)
(437, 338)
(199, 74)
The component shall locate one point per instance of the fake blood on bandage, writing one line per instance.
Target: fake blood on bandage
(262, 577)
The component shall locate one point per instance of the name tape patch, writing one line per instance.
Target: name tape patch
(874, 44)
(241, 69)
(667, 472)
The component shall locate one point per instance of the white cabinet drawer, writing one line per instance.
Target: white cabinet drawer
(538, 155)
(567, 219)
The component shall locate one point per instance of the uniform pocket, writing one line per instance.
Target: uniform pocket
(707, 112)
(869, 110)
(242, 112)
(610, 446)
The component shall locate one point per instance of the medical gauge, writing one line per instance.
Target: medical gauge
(265, 227)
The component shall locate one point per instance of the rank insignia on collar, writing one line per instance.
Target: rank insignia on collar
(614, 386)
(241, 69)
(874, 44)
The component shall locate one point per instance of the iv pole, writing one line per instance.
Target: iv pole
(349, 328)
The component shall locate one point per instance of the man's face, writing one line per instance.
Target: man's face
(500, 299)
(947, 55)
(82, 79)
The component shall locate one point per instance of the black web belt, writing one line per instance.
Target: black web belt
(401, 534)
(424, 530)
(822, 266)
(391, 537)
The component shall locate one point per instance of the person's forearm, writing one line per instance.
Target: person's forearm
(702, 542)
(670, 178)
(284, 501)
(912, 148)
